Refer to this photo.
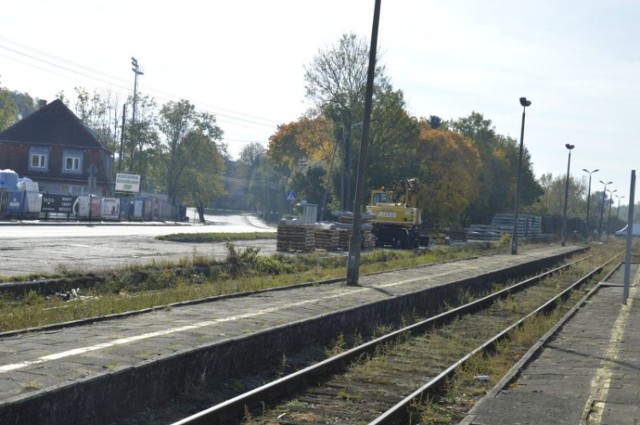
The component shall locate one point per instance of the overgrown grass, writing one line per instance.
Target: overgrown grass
(462, 392)
(216, 237)
(370, 370)
(161, 283)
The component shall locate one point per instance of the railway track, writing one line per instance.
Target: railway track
(380, 381)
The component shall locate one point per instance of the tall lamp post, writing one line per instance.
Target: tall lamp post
(514, 239)
(136, 70)
(566, 197)
(604, 196)
(618, 212)
(611, 192)
(586, 235)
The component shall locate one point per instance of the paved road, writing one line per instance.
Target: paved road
(40, 248)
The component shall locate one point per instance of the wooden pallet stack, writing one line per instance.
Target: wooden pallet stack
(368, 240)
(343, 239)
(345, 222)
(296, 237)
(327, 238)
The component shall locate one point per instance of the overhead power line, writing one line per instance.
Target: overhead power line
(32, 54)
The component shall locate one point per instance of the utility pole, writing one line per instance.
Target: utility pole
(124, 114)
(353, 261)
(627, 261)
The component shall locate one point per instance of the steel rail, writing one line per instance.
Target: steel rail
(235, 407)
(398, 413)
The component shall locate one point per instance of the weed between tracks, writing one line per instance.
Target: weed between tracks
(466, 388)
(199, 395)
(425, 356)
(139, 287)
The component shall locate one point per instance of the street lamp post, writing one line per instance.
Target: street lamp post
(604, 196)
(514, 239)
(136, 70)
(566, 197)
(586, 235)
(611, 192)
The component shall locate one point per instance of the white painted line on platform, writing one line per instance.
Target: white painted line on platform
(123, 341)
(601, 382)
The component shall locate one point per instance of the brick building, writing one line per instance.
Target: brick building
(57, 150)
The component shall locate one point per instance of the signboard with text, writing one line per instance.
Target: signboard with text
(58, 203)
(110, 208)
(16, 199)
(127, 182)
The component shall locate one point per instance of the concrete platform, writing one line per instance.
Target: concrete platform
(588, 373)
(85, 374)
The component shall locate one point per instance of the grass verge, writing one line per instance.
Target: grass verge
(216, 237)
(158, 284)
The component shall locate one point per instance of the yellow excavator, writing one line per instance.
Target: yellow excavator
(397, 219)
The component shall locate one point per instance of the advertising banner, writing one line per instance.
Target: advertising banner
(58, 203)
(96, 206)
(127, 182)
(137, 208)
(15, 201)
(110, 208)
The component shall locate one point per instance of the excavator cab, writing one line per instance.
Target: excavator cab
(380, 197)
(397, 218)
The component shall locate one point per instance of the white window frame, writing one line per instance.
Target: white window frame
(75, 163)
(41, 161)
(75, 156)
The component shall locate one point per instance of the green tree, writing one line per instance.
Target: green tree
(193, 163)
(142, 150)
(201, 179)
(335, 82)
(8, 109)
(99, 111)
(25, 103)
(554, 193)
(498, 172)
(263, 182)
(392, 140)
(434, 121)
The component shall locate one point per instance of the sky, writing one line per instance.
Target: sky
(244, 61)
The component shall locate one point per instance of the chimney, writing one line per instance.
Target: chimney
(41, 103)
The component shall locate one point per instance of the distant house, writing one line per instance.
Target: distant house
(54, 148)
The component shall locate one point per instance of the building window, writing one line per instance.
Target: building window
(72, 161)
(39, 159)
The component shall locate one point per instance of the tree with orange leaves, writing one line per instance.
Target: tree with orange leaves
(449, 165)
